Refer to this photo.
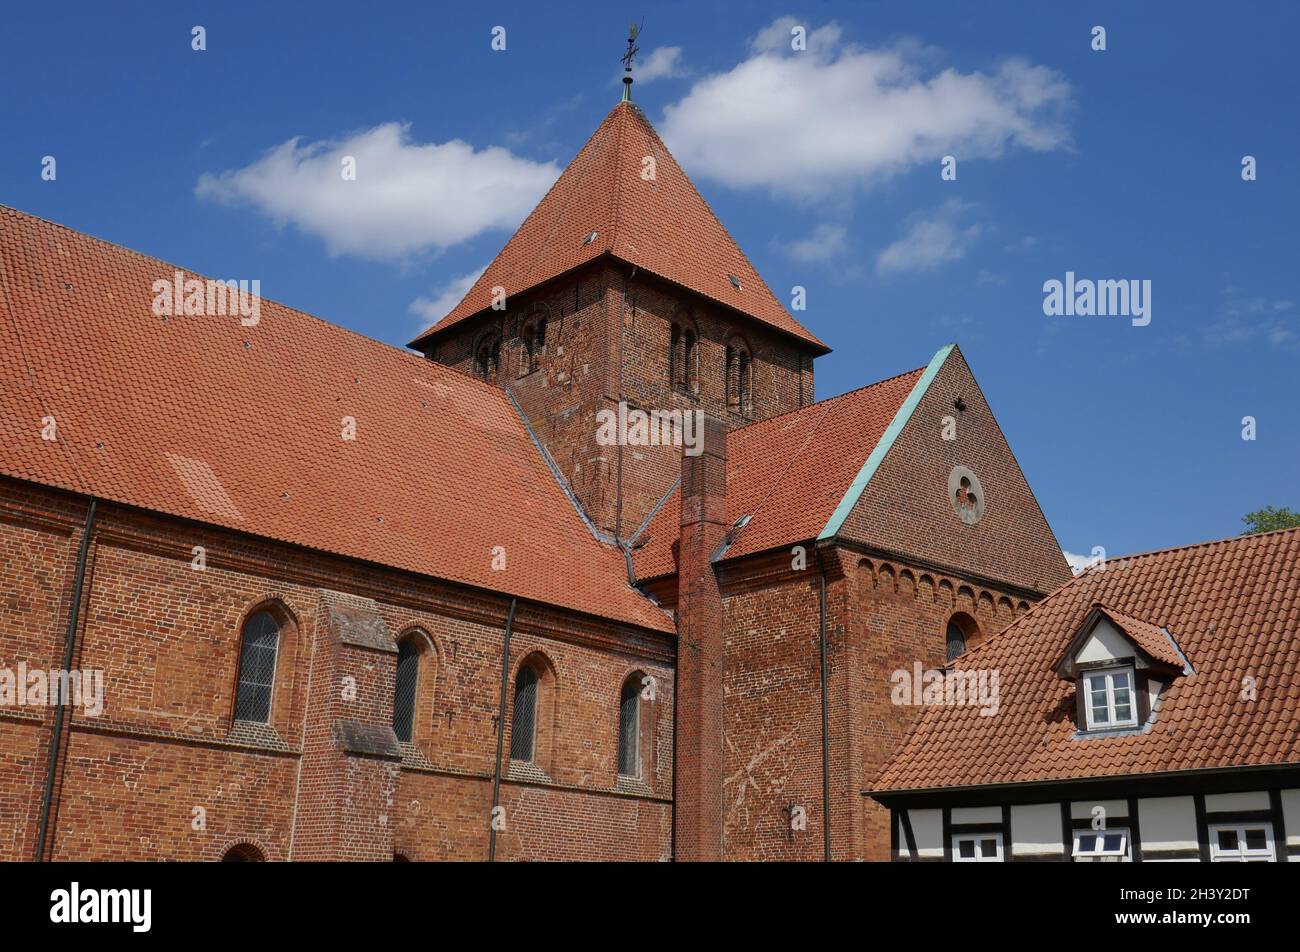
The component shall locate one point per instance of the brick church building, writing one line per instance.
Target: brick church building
(348, 601)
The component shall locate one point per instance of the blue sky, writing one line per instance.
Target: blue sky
(1122, 164)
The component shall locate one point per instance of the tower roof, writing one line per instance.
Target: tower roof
(660, 224)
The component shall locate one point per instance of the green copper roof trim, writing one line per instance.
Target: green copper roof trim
(859, 484)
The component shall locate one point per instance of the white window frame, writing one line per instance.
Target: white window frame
(995, 835)
(1242, 854)
(1107, 674)
(1101, 854)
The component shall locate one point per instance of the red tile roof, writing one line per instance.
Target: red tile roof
(203, 418)
(1234, 608)
(787, 473)
(662, 226)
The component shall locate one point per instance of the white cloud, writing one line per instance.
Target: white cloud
(837, 115)
(1243, 320)
(1078, 562)
(435, 308)
(408, 197)
(930, 241)
(822, 243)
(664, 62)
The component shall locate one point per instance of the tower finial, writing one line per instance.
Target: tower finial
(633, 31)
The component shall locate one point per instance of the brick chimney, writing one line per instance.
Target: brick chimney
(697, 788)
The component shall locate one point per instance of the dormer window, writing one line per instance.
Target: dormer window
(1109, 698)
(1119, 664)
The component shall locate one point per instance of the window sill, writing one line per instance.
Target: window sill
(255, 734)
(526, 770)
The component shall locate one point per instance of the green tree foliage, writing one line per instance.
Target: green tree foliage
(1270, 518)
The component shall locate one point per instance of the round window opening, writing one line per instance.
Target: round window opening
(966, 495)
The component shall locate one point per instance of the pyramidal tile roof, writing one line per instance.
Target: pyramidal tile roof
(243, 427)
(660, 224)
(787, 473)
(1234, 606)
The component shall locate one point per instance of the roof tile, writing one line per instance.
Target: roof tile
(242, 427)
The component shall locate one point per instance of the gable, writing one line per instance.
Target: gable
(917, 500)
(1106, 643)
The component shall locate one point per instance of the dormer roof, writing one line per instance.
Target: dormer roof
(1153, 647)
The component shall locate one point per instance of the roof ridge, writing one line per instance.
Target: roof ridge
(839, 396)
(506, 245)
(618, 177)
(1240, 537)
(1092, 575)
(725, 230)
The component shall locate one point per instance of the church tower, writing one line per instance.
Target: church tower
(622, 287)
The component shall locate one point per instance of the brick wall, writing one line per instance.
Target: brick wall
(608, 338)
(164, 773)
(881, 616)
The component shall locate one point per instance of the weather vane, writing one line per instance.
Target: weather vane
(633, 31)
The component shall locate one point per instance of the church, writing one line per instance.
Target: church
(347, 601)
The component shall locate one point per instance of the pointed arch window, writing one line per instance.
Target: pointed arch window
(257, 657)
(408, 679)
(629, 728)
(523, 726)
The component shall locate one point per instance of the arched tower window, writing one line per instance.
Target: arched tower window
(257, 656)
(690, 357)
(674, 356)
(486, 357)
(683, 354)
(739, 377)
(523, 726)
(629, 727)
(408, 679)
(534, 341)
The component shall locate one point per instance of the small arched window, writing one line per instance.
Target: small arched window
(261, 642)
(523, 726)
(956, 641)
(629, 728)
(486, 358)
(962, 633)
(408, 677)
